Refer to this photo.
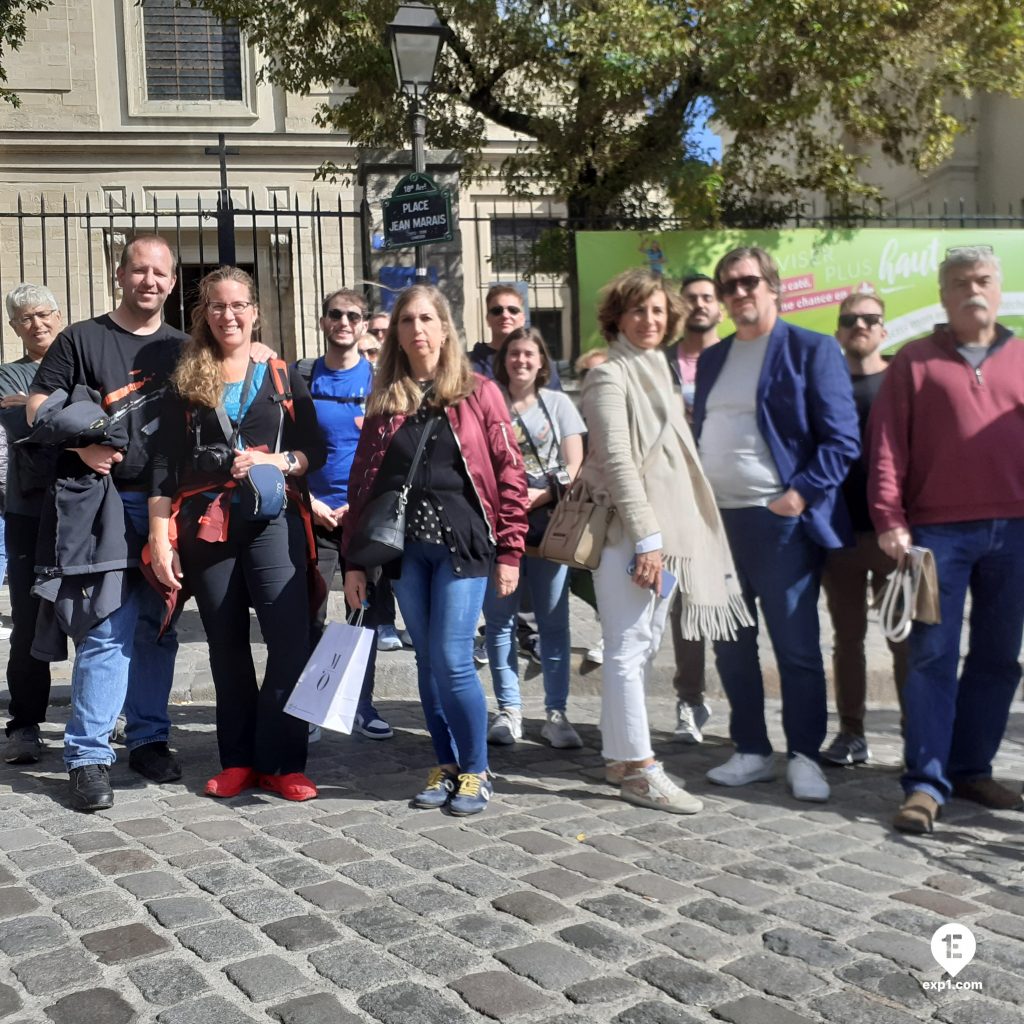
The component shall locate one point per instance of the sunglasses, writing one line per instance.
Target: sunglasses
(378, 332)
(353, 316)
(850, 319)
(498, 310)
(748, 283)
(959, 251)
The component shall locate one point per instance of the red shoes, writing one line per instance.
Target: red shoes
(293, 786)
(231, 782)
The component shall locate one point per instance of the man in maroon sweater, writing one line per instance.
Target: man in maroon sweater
(946, 436)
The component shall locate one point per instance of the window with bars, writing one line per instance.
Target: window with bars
(513, 240)
(190, 54)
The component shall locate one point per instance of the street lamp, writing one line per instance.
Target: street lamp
(416, 35)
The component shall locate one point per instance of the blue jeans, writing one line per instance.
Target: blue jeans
(953, 726)
(549, 591)
(440, 610)
(122, 663)
(778, 564)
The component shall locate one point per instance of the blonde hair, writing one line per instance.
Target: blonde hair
(395, 389)
(197, 376)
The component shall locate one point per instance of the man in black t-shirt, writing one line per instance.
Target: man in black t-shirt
(127, 357)
(850, 572)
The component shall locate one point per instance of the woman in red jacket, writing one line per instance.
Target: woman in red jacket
(465, 522)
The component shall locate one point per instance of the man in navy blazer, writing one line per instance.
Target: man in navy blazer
(777, 430)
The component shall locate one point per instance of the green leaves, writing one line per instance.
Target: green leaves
(604, 92)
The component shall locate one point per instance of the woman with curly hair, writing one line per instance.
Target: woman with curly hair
(222, 416)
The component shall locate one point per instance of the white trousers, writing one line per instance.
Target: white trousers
(632, 623)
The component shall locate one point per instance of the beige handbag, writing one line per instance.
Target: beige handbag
(576, 530)
(911, 595)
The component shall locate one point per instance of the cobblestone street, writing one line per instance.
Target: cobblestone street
(559, 905)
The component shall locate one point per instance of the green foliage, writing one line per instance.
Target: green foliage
(603, 93)
(12, 35)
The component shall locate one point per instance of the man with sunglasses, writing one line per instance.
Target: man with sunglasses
(340, 381)
(853, 574)
(777, 430)
(946, 435)
(505, 314)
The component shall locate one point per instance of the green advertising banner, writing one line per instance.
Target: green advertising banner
(818, 269)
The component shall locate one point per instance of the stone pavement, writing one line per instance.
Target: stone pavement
(559, 905)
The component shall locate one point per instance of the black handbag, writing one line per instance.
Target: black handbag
(380, 536)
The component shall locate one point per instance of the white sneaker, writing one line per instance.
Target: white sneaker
(806, 779)
(558, 731)
(742, 769)
(388, 639)
(595, 654)
(651, 787)
(690, 721)
(506, 727)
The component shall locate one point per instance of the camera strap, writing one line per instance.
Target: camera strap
(230, 430)
(556, 442)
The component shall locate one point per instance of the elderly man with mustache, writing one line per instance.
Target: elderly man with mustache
(945, 440)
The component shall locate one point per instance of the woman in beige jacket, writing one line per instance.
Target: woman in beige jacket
(666, 530)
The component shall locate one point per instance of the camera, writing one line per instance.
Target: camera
(213, 458)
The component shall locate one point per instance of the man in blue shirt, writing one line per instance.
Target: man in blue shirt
(340, 381)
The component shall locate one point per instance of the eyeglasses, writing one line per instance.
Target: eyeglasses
(353, 316)
(748, 283)
(511, 310)
(220, 308)
(371, 350)
(28, 318)
(850, 319)
(380, 333)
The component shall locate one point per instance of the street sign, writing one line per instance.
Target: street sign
(417, 213)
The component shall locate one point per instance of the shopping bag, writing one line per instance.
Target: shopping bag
(911, 595)
(327, 692)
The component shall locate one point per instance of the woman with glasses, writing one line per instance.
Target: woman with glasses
(465, 523)
(550, 434)
(223, 416)
(666, 529)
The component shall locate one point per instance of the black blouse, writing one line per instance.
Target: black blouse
(443, 505)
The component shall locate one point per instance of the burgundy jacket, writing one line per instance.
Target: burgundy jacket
(491, 455)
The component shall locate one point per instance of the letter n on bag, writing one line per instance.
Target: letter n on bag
(328, 689)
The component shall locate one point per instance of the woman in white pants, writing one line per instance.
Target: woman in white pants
(666, 527)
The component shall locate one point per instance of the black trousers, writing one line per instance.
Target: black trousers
(378, 594)
(262, 564)
(28, 678)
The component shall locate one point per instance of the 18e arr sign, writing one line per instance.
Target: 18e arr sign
(417, 213)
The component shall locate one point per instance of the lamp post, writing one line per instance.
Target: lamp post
(416, 35)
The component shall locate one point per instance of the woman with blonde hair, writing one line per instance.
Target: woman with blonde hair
(666, 530)
(465, 522)
(222, 416)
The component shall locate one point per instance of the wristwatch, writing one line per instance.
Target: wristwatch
(293, 462)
